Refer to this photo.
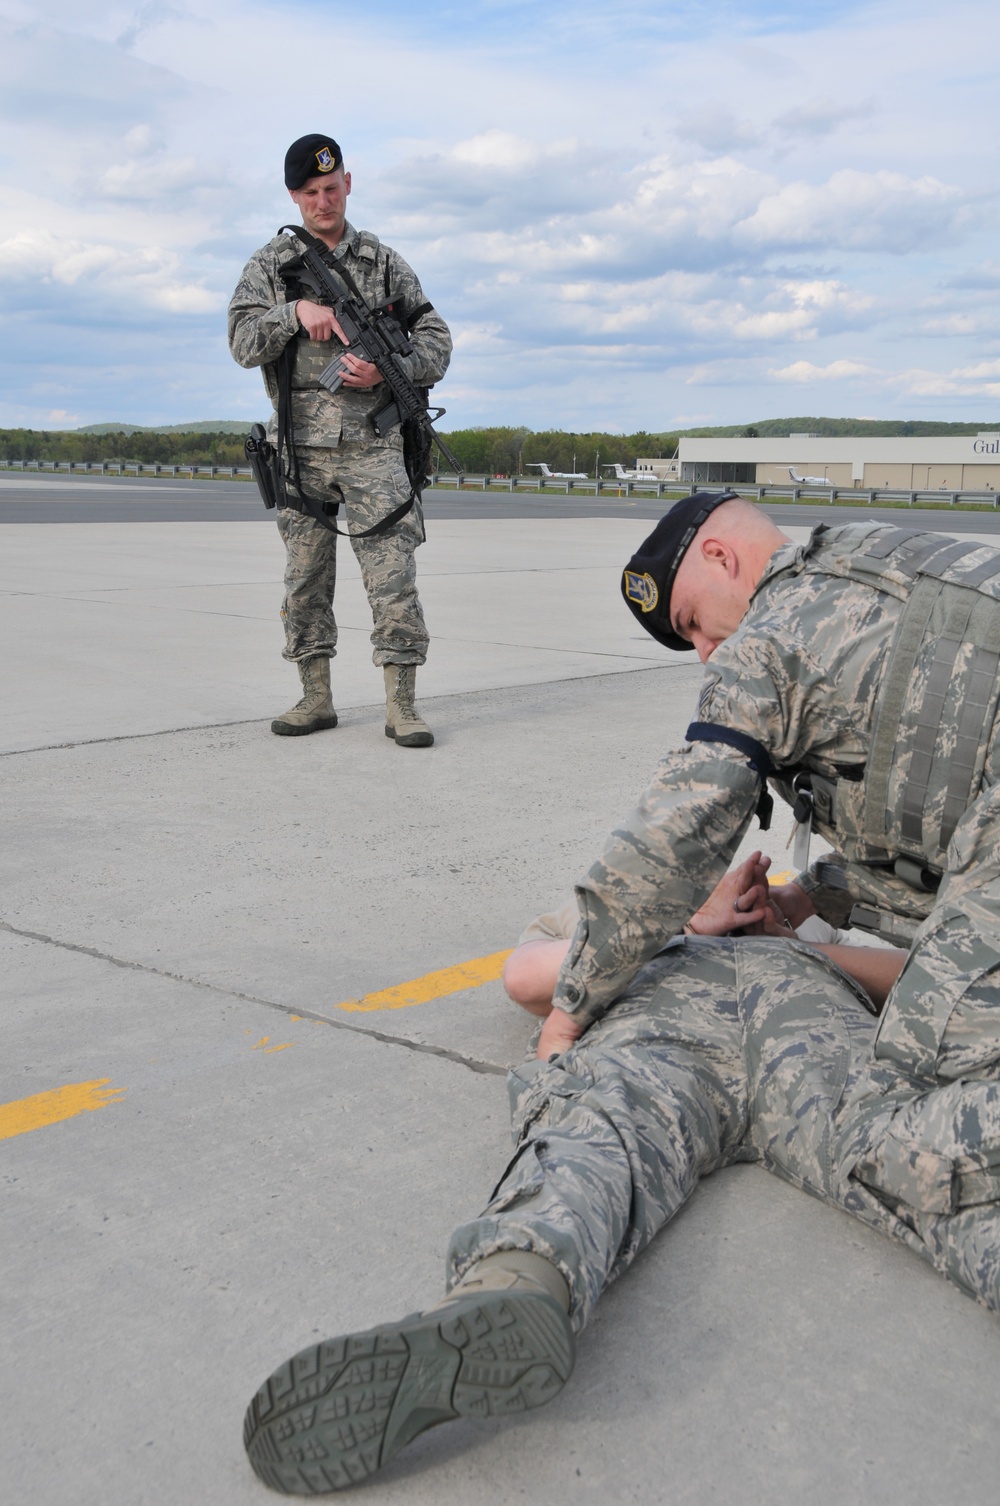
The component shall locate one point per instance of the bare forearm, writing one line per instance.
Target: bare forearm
(875, 968)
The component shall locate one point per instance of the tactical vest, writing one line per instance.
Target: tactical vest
(313, 356)
(937, 701)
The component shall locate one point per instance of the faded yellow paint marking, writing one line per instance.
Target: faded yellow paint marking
(72, 1098)
(285, 1047)
(782, 878)
(447, 980)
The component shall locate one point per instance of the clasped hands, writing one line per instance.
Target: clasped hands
(741, 900)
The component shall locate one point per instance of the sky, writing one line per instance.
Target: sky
(646, 216)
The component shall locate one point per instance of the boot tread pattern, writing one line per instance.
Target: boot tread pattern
(333, 1414)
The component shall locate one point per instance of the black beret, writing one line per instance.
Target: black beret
(310, 156)
(648, 578)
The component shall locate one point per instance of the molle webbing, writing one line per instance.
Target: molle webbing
(939, 695)
(919, 553)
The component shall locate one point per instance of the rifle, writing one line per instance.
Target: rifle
(376, 335)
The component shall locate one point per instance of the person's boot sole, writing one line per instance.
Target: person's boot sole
(411, 739)
(334, 1414)
(294, 729)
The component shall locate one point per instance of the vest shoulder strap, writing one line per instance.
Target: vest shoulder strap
(368, 246)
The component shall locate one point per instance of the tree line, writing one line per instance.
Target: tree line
(502, 451)
(146, 445)
(495, 451)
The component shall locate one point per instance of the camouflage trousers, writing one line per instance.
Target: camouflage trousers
(726, 1051)
(369, 479)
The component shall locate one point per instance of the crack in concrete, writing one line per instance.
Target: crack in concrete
(473, 1063)
(251, 721)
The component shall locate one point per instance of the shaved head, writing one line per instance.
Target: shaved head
(720, 572)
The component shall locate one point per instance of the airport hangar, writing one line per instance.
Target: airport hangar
(946, 462)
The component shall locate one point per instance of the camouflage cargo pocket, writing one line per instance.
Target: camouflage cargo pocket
(950, 959)
(532, 1085)
(941, 1152)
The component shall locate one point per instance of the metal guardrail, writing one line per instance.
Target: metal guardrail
(596, 488)
(188, 468)
(871, 495)
(602, 487)
(659, 489)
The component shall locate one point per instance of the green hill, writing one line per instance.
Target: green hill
(499, 449)
(831, 428)
(205, 426)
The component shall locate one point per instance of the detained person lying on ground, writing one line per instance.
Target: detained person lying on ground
(742, 901)
(720, 1051)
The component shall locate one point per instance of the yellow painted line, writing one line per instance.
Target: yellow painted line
(447, 980)
(73, 1098)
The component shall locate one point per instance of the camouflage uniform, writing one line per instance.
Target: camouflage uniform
(803, 676)
(725, 1051)
(340, 457)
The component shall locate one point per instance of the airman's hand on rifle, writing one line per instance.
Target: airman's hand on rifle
(358, 373)
(320, 323)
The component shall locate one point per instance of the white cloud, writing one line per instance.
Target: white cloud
(805, 372)
(572, 212)
(820, 117)
(950, 324)
(150, 273)
(984, 277)
(861, 211)
(508, 152)
(979, 379)
(141, 180)
(717, 129)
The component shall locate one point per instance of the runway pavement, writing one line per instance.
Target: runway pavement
(112, 499)
(186, 896)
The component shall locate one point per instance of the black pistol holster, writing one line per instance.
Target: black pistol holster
(263, 458)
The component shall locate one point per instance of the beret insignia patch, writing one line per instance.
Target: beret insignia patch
(642, 590)
(324, 160)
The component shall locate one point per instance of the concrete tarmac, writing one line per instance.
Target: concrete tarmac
(186, 896)
(27, 498)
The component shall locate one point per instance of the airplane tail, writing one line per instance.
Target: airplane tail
(791, 472)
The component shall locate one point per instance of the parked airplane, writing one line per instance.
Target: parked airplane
(621, 474)
(809, 480)
(547, 475)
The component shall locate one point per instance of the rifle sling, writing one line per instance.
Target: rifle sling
(310, 505)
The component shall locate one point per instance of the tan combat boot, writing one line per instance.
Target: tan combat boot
(402, 720)
(315, 710)
(501, 1342)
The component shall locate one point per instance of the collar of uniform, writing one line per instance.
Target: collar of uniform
(782, 558)
(348, 241)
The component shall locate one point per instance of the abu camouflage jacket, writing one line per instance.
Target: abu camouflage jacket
(867, 667)
(262, 322)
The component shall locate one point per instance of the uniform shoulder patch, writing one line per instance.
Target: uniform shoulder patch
(641, 589)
